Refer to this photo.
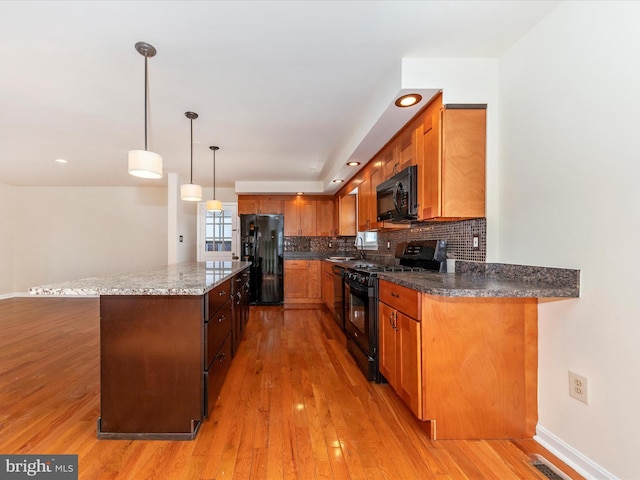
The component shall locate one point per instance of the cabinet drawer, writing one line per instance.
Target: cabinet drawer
(217, 297)
(216, 330)
(296, 265)
(401, 298)
(214, 376)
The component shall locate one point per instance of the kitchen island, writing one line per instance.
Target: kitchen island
(167, 336)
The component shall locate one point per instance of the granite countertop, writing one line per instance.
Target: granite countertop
(468, 285)
(178, 279)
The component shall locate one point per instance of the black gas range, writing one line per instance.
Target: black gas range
(361, 297)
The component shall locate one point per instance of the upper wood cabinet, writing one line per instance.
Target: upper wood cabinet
(401, 152)
(325, 225)
(299, 218)
(367, 207)
(451, 171)
(260, 204)
(311, 215)
(346, 215)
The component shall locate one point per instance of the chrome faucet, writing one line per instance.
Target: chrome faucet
(361, 246)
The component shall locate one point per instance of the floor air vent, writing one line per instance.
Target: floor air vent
(545, 467)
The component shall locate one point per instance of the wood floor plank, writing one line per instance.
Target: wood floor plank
(293, 406)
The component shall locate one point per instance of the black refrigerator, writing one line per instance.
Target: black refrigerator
(262, 238)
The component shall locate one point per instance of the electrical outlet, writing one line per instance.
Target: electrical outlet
(578, 387)
(476, 241)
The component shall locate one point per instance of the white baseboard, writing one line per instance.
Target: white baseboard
(572, 457)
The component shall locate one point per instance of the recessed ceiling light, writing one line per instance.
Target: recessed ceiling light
(353, 164)
(408, 100)
(300, 193)
(338, 180)
(60, 160)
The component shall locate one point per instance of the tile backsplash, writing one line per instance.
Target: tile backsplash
(459, 237)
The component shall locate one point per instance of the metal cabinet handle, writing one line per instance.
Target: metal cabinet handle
(221, 318)
(221, 293)
(393, 294)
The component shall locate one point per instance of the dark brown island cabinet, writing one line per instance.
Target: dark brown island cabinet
(164, 358)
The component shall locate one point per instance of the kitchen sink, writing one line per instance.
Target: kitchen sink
(340, 259)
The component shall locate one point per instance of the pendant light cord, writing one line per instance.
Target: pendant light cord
(214, 174)
(191, 179)
(146, 82)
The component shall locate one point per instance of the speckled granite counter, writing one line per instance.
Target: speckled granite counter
(178, 279)
(477, 279)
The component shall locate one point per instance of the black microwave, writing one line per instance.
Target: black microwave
(397, 198)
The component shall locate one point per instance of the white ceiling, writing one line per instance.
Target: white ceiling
(281, 87)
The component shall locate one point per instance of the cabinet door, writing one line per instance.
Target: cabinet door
(314, 280)
(270, 206)
(308, 216)
(363, 205)
(295, 283)
(429, 170)
(347, 215)
(375, 179)
(327, 289)
(324, 218)
(408, 363)
(389, 162)
(291, 219)
(248, 206)
(387, 345)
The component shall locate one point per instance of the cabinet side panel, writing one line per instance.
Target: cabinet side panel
(475, 367)
(463, 165)
(151, 363)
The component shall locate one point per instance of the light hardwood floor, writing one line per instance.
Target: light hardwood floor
(294, 406)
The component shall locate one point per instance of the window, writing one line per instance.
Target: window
(217, 233)
(367, 240)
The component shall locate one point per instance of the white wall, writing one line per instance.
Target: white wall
(467, 80)
(570, 197)
(66, 233)
(7, 226)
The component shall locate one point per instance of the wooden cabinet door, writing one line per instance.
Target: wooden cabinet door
(347, 215)
(389, 161)
(375, 178)
(308, 216)
(270, 206)
(409, 363)
(363, 205)
(291, 218)
(248, 205)
(327, 290)
(387, 343)
(324, 218)
(295, 279)
(314, 280)
(429, 169)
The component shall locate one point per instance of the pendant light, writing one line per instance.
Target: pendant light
(214, 205)
(189, 191)
(143, 163)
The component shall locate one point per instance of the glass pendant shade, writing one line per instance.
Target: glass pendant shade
(214, 205)
(191, 192)
(145, 164)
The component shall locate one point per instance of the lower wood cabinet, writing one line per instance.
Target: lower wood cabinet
(302, 281)
(400, 344)
(465, 366)
(328, 294)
